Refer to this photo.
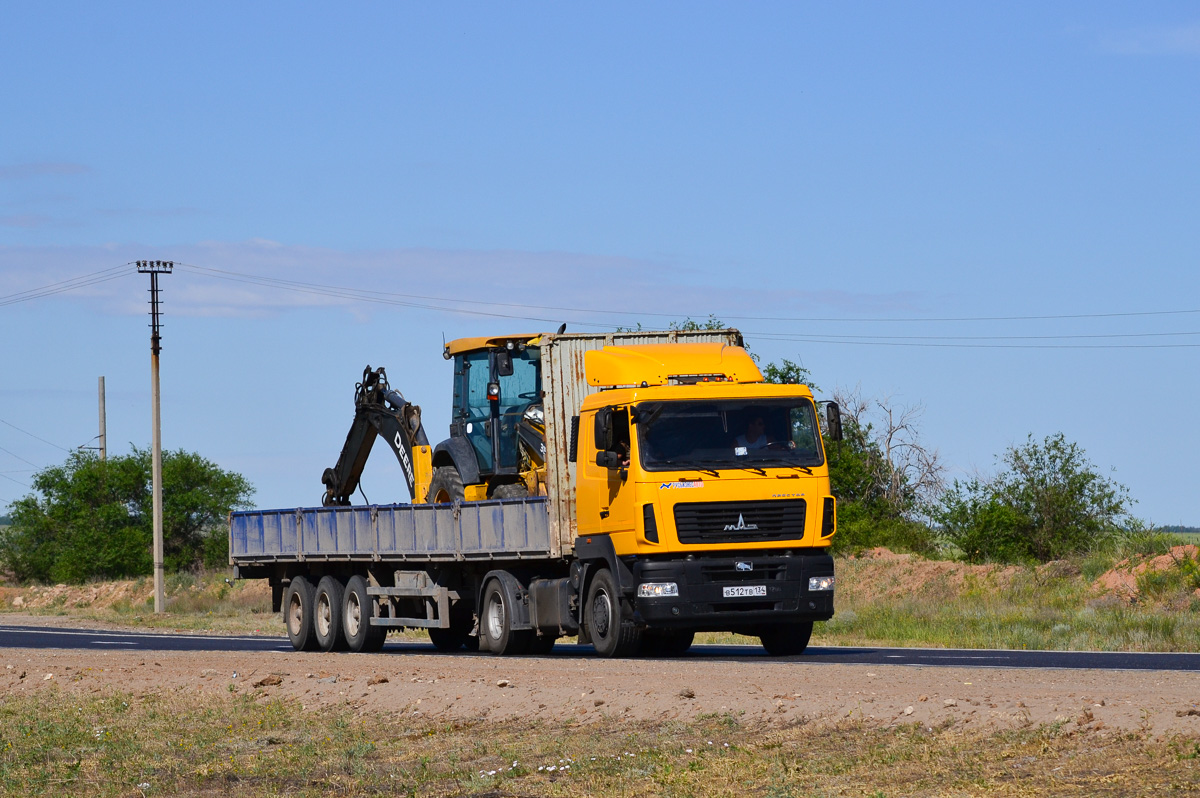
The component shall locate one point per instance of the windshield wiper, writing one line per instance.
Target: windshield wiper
(688, 467)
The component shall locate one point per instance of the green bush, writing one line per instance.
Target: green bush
(93, 517)
(1048, 503)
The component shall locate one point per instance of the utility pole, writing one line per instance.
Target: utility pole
(103, 434)
(155, 268)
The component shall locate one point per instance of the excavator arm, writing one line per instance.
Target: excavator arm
(383, 411)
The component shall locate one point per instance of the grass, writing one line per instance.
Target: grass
(879, 602)
(53, 743)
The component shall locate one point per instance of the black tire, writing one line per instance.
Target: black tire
(666, 644)
(445, 486)
(787, 640)
(298, 614)
(511, 490)
(542, 644)
(358, 608)
(611, 634)
(495, 623)
(328, 614)
(446, 640)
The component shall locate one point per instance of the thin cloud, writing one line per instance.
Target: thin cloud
(237, 279)
(23, 171)
(25, 221)
(1179, 40)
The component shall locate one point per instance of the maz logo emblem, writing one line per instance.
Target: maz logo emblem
(740, 525)
(744, 566)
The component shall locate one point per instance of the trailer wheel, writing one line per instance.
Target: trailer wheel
(327, 613)
(667, 644)
(359, 609)
(542, 644)
(786, 640)
(496, 623)
(446, 640)
(445, 486)
(611, 635)
(298, 614)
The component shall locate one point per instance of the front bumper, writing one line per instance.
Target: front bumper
(702, 605)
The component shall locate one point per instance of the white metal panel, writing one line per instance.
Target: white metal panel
(565, 385)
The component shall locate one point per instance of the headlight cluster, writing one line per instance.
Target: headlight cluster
(657, 589)
(820, 584)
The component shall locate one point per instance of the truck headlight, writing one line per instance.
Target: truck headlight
(818, 584)
(657, 589)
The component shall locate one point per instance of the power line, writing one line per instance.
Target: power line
(62, 286)
(817, 340)
(35, 437)
(19, 482)
(370, 295)
(19, 457)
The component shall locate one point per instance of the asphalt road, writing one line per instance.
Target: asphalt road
(94, 640)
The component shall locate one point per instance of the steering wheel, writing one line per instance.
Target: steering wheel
(528, 395)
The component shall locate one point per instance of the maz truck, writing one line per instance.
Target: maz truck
(629, 488)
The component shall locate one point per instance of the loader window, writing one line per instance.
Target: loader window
(728, 434)
(519, 388)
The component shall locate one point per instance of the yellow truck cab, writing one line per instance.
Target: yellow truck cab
(711, 487)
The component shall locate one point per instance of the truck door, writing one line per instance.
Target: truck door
(472, 410)
(605, 501)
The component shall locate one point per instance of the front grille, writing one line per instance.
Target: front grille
(740, 522)
(728, 572)
(745, 606)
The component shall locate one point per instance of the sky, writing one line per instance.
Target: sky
(988, 212)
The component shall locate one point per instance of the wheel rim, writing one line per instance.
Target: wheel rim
(353, 615)
(324, 615)
(495, 617)
(295, 615)
(601, 614)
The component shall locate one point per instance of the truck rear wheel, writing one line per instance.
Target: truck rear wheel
(611, 635)
(298, 614)
(328, 613)
(788, 639)
(359, 609)
(495, 628)
(445, 486)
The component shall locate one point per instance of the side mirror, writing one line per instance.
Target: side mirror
(609, 460)
(833, 421)
(504, 366)
(604, 430)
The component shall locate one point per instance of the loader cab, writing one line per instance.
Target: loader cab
(495, 382)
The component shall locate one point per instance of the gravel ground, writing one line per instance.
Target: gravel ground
(583, 690)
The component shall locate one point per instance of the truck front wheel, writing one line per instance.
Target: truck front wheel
(612, 636)
(788, 639)
(298, 614)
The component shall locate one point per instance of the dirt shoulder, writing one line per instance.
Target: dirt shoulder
(585, 690)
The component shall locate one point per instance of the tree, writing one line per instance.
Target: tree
(884, 477)
(1048, 502)
(93, 517)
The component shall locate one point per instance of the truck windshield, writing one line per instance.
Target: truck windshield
(728, 434)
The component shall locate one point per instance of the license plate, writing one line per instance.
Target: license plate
(740, 591)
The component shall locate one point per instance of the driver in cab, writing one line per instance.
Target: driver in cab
(755, 436)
